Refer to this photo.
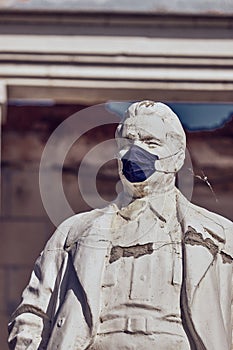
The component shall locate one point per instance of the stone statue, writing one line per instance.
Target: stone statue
(150, 271)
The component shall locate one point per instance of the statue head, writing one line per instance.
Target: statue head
(151, 144)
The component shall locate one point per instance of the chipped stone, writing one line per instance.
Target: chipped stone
(226, 258)
(219, 239)
(193, 237)
(136, 251)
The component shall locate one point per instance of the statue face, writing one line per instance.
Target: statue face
(148, 150)
(148, 133)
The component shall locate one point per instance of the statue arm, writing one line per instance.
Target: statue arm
(31, 322)
(232, 320)
(229, 261)
(232, 310)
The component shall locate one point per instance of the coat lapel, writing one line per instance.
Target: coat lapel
(203, 239)
(89, 260)
(198, 259)
(199, 246)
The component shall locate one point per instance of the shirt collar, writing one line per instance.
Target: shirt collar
(162, 205)
(134, 209)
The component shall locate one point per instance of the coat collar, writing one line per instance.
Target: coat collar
(133, 210)
(201, 219)
(163, 205)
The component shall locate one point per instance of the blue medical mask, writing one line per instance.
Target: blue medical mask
(138, 164)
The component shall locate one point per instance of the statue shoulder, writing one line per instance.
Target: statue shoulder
(82, 223)
(72, 225)
(219, 227)
(209, 216)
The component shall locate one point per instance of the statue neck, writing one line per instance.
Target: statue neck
(160, 194)
(152, 188)
(165, 204)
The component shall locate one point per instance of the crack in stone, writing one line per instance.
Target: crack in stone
(136, 251)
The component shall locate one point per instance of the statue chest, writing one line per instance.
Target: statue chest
(146, 275)
(141, 292)
(144, 264)
(141, 286)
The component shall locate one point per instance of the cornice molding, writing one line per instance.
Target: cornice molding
(135, 23)
(87, 57)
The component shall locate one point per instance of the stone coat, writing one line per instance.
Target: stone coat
(61, 305)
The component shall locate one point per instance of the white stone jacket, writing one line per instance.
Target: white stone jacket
(60, 306)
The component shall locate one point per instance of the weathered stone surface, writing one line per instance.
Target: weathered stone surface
(136, 251)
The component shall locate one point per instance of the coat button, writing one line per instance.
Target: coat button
(60, 322)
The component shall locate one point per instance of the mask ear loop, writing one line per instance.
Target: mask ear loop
(171, 155)
(116, 156)
(166, 172)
